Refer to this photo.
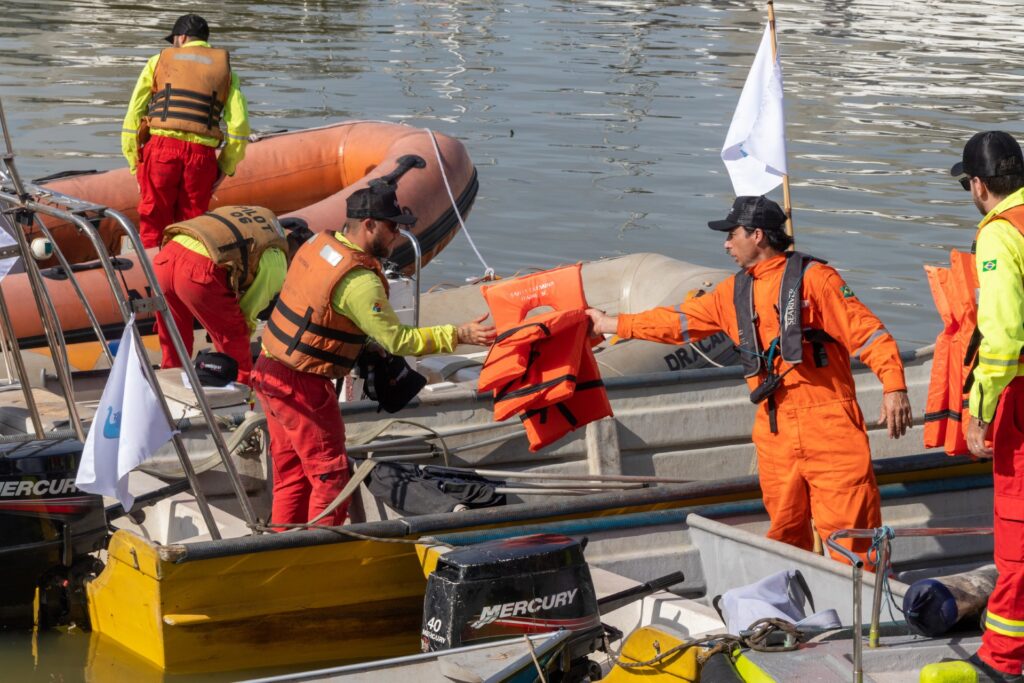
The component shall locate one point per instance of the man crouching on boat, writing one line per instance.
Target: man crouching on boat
(796, 324)
(223, 268)
(334, 297)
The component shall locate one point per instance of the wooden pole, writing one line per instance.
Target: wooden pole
(787, 205)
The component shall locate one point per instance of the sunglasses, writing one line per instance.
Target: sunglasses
(965, 181)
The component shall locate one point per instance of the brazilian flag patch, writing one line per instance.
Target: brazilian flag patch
(846, 291)
(988, 266)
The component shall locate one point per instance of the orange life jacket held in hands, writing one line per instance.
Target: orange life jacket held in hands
(542, 366)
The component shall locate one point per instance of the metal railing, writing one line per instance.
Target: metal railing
(881, 538)
(21, 200)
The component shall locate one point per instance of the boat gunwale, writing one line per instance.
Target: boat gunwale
(922, 466)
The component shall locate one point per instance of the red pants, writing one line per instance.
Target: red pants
(817, 465)
(175, 183)
(1002, 644)
(195, 288)
(307, 442)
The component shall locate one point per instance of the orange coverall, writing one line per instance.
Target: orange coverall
(819, 463)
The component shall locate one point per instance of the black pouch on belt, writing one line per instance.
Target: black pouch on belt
(766, 388)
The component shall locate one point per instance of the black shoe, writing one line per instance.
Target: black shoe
(987, 673)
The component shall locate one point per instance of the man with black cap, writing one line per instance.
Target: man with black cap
(992, 170)
(796, 324)
(172, 128)
(335, 298)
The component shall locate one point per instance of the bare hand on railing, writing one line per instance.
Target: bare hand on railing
(475, 332)
(896, 413)
(976, 431)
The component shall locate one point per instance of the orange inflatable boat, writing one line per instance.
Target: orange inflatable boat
(304, 174)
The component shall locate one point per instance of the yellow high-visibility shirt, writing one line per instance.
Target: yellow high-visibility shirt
(361, 298)
(235, 117)
(266, 284)
(999, 258)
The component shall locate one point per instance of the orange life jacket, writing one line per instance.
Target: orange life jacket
(540, 362)
(304, 331)
(190, 87)
(956, 347)
(556, 338)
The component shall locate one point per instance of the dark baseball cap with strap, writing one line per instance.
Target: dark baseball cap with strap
(189, 25)
(990, 154)
(752, 212)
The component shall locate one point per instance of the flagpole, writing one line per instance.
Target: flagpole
(786, 203)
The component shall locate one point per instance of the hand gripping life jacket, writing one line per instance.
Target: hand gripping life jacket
(190, 87)
(304, 331)
(955, 291)
(235, 238)
(541, 366)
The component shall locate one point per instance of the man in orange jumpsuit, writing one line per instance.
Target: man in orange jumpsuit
(812, 447)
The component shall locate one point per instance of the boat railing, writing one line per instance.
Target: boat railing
(22, 201)
(881, 538)
(418, 252)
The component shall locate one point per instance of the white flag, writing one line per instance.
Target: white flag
(755, 147)
(128, 428)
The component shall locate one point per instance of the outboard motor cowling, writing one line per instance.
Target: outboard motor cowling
(507, 588)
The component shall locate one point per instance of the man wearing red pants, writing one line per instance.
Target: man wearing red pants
(172, 128)
(222, 268)
(992, 170)
(796, 324)
(334, 298)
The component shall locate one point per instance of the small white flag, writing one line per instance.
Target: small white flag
(755, 147)
(128, 428)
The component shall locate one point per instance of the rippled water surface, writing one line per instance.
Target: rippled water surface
(595, 126)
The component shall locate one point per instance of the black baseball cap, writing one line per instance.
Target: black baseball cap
(189, 25)
(216, 369)
(990, 154)
(752, 212)
(379, 202)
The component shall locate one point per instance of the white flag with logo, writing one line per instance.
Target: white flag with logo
(128, 428)
(755, 147)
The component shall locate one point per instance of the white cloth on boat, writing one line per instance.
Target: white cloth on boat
(129, 426)
(755, 146)
(780, 596)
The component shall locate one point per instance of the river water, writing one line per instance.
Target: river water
(596, 126)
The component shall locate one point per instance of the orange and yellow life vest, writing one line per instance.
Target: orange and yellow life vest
(955, 291)
(541, 366)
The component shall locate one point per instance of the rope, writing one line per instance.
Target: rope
(760, 630)
(488, 271)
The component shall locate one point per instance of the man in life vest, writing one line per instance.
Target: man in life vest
(172, 128)
(796, 324)
(223, 269)
(334, 298)
(992, 170)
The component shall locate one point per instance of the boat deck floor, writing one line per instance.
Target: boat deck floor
(898, 659)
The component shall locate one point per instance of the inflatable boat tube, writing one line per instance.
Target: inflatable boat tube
(305, 174)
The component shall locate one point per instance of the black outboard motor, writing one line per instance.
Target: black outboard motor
(47, 530)
(507, 588)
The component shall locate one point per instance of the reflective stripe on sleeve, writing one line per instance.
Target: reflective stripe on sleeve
(238, 137)
(129, 131)
(874, 335)
(684, 324)
(998, 361)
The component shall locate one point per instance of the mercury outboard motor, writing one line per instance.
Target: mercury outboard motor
(47, 530)
(520, 586)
